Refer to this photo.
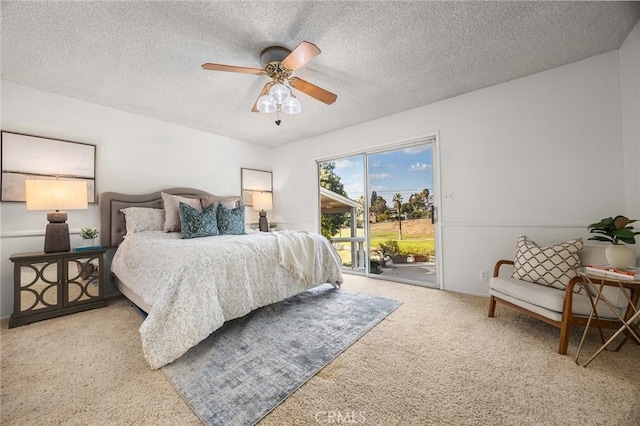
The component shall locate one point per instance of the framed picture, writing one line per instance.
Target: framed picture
(28, 157)
(253, 181)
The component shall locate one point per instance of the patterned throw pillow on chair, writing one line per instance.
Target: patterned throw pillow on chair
(552, 266)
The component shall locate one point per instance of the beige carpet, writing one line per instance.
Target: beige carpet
(436, 360)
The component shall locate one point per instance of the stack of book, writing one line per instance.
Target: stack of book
(630, 273)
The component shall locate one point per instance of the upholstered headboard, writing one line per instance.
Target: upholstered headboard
(112, 222)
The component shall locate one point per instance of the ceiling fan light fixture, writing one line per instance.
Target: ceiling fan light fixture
(267, 104)
(280, 92)
(291, 105)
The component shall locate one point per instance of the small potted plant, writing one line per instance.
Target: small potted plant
(89, 234)
(273, 226)
(616, 230)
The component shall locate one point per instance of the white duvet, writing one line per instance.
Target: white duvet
(195, 285)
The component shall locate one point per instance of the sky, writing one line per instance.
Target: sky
(405, 171)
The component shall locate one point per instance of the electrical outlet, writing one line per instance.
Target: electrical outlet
(484, 275)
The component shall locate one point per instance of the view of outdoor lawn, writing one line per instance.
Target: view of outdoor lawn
(417, 240)
(398, 213)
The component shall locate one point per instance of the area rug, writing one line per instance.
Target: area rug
(249, 366)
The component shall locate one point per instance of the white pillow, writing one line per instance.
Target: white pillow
(139, 219)
(552, 266)
(172, 212)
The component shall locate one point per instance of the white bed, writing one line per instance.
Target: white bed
(190, 287)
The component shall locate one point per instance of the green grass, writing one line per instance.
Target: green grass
(408, 246)
(415, 240)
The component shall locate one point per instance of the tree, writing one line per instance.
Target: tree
(397, 202)
(330, 180)
(330, 224)
(378, 205)
(425, 195)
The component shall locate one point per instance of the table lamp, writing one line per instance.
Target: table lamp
(263, 201)
(56, 195)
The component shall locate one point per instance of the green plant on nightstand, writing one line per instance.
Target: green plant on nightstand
(273, 226)
(88, 234)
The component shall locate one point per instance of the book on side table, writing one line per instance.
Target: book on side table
(87, 248)
(630, 273)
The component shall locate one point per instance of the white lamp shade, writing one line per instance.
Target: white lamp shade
(56, 194)
(267, 104)
(291, 105)
(263, 201)
(280, 92)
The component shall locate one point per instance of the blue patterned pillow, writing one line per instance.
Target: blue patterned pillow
(230, 221)
(196, 224)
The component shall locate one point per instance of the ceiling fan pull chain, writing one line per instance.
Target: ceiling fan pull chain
(278, 121)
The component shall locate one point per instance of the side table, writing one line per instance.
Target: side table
(594, 285)
(47, 285)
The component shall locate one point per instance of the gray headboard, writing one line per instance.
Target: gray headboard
(112, 222)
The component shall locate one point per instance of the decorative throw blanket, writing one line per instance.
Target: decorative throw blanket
(296, 254)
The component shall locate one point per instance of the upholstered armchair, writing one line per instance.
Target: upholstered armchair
(561, 304)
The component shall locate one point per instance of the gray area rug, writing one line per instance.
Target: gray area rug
(249, 366)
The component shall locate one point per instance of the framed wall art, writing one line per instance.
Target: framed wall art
(253, 181)
(28, 157)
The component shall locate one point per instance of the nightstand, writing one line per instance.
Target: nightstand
(48, 285)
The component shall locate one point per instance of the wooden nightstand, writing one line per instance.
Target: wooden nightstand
(48, 285)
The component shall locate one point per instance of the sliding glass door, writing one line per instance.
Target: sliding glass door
(378, 210)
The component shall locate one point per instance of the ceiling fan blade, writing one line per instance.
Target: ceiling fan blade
(300, 55)
(232, 68)
(313, 90)
(264, 91)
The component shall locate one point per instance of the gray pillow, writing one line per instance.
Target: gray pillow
(196, 224)
(230, 221)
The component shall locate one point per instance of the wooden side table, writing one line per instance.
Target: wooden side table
(594, 285)
(48, 285)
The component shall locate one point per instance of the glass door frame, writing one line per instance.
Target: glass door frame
(430, 138)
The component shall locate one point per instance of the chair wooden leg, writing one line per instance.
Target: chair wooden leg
(565, 333)
(492, 306)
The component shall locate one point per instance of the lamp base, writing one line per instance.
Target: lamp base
(56, 238)
(262, 222)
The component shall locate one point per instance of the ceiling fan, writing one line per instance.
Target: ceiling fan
(280, 63)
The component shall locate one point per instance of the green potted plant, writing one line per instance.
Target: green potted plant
(616, 230)
(273, 226)
(389, 252)
(88, 234)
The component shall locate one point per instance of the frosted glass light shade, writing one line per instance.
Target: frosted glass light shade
(267, 104)
(56, 194)
(262, 201)
(280, 92)
(291, 105)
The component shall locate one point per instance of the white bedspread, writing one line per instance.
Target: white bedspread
(196, 285)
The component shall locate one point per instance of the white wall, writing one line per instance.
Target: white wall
(135, 154)
(630, 90)
(541, 156)
(544, 156)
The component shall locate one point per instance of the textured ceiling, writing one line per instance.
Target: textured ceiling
(380, 58)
